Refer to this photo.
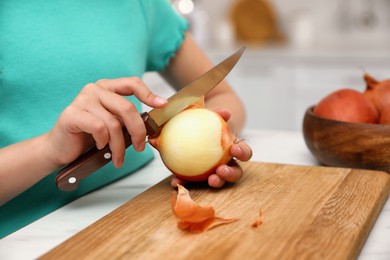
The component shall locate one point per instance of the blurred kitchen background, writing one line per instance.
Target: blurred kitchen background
(298, 51)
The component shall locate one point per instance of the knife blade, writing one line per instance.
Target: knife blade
(68, 178)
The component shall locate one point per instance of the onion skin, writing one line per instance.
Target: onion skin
(193, 217)
(385, 117)
(179, 139)
(347, 105)
(378, 92)
(370, 81)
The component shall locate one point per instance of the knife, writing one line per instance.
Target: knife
(69, 177)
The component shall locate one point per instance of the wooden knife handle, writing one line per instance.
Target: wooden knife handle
(69, 177)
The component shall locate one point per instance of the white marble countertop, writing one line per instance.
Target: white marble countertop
(268, 146)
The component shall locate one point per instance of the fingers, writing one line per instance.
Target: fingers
(231, 172)
(127, 113)
(241, 150)
(215, 181)
(88, 123)
(102, 111)
(75, 131)
(101, 128)
(175, 180)
(114, 128)
(125, 110)
(225, 114)
(133, 86)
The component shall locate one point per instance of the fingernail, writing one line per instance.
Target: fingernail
(160, 100)
(236, 150)
(226, 171)
(139, 147)
(118, 163)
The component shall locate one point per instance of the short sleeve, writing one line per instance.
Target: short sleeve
(166, 29)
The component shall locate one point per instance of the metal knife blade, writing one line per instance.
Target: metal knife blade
(196, 89)
(68, 178)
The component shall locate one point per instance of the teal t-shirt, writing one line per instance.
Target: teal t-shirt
(49, 50)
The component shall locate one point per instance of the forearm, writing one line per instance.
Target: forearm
(22, 165)
(228, 100)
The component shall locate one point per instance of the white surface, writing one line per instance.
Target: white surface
(268, 146)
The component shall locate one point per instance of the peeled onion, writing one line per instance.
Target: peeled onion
(347, 105)
(378, 92)
(194, 143)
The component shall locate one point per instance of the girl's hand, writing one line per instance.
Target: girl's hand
(96, 117)
(231, 172)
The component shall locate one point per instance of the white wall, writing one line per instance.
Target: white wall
(280, 82)
(364, 22)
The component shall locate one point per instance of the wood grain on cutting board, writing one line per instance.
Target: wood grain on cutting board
(309, 212)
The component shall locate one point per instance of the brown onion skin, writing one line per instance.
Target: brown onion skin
(197, 178)
(347, 105)
(378, 92)
(385, 117)
(370, 81)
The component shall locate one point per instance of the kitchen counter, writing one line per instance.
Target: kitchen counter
(298, 78)
(268, 146)
(287, 52)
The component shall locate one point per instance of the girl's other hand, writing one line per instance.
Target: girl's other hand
(230, 172)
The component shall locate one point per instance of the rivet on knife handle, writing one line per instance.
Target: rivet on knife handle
(69, 177)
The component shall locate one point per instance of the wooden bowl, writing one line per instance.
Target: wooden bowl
(343, 144)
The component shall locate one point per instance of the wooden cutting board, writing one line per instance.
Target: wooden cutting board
(309, 213)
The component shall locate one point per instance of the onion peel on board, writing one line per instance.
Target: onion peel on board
(193, 217)
(258, 221)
